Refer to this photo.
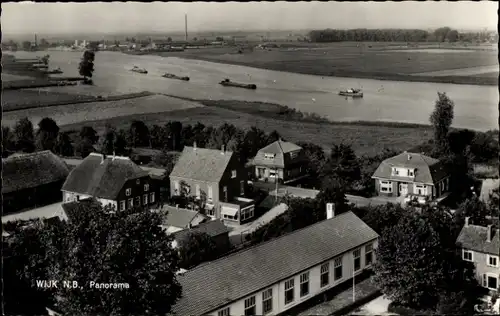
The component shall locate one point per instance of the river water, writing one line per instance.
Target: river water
(476, 107)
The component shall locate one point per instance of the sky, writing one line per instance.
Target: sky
(120, 17)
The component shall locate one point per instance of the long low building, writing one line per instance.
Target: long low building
(282, 273)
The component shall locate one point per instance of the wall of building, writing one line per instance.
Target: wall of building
(204, 189)
(482, 267)
(278, 289)
(32, 197)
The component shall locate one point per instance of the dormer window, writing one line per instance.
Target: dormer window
(269, 156)
(233, 173)
(128, 192)
(395, 171)
(146, 187)
(411, 173)
(294, 154)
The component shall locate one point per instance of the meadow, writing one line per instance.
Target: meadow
(383, 61)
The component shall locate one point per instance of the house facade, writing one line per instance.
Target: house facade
(32, 180)
(218, 179)
(481, 246)
(115, 181)
(330, 253)
(412, 175)
(280, 161)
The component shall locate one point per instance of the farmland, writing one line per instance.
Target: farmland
(360, 60)
(365, 138)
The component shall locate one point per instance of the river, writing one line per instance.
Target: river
(476, 107)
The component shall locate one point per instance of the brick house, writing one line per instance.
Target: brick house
(111, 180)
(481, 245)
(32, 180)
(280, 274)
(218, 179)
(412, 175)
(282, 161)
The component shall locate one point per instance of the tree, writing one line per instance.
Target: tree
(46, 135)
(342, 166)
(24, 135)
(198, 248)
(333, 192)
(63, 145)
(112, 142)
(26, 45)
(138, 134)
(172, 135)
(494, 202)
(273, 136)
(452, 36)
(88, 132)
(476, 209)
(254, 140)
(417, 263)
(8, 141)
(381, 217)
(100, 245)
(441, 119)
(169, 39)
(86, 67)
(442, 33)
(315, 158)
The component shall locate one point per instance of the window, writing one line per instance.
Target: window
(138, 181)
(131, 202)
(250, 306)
(357, 259)
(151, 197)
(368, 255)
(128, 192)
(395, 172)
(410, 173)
(233, 173)
(223, 312)
(325, 274)
(210, 193)
(138, 201)
(224, 189)
(304, 284)
(269, 156)
(490, 281)
(210, 212)
(267, 301)
(247, 213)
(294, 154)
(146, 187)
(242, 187)
(420, 189)
(198, 191)
(337, 269)
(145, 199)
(492, 261)
(289, 287)
(122, 205)
(467, 255)
(386, 186)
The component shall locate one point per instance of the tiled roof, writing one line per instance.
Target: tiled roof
(48, 211)
(279, 148)
(157, 173)
(428, 170)
(212, 228)
(201, 164)
(26, 171)
(474, 237)
(102, 178)
(178, 217)
(235, 276)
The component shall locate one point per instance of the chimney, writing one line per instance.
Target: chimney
(330, 210)
(103, 157)
(194, 145)
(467, 221)
(223, 149)
(409, 157)
(114, 155)
(189, 226)
(177, 206)
(489, 233)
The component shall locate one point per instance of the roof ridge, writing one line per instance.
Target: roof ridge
(268, 241)
(24, 155)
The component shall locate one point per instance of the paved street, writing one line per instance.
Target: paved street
(378, 306)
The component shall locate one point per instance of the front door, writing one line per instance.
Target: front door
(403, 189)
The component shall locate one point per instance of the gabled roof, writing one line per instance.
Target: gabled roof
(25, 171)
(201, 164)
(212, 228)
(428, 170)
(473, 237)
(279, 148)
(235, 276)
(102, 178)
(179, 217)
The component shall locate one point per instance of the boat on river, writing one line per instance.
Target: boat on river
(355, 93)
(229, 83)
(139, 70)
(172, 76)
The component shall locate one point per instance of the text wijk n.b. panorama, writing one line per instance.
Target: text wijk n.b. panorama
(47, 284)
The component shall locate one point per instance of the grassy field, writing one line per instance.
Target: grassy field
(361, 60)
(365, 138)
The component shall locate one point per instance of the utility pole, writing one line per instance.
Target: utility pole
(277, 178)
(186, 25)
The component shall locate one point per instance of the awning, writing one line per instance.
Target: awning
(229, 211)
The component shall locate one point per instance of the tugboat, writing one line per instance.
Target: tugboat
(355, 93)
(139, 70)
(229, 83)
(172, 76)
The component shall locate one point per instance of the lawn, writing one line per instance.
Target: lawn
(22, 99)
(365, 138)
(363, 60)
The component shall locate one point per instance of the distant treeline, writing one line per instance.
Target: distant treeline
(444, 34)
